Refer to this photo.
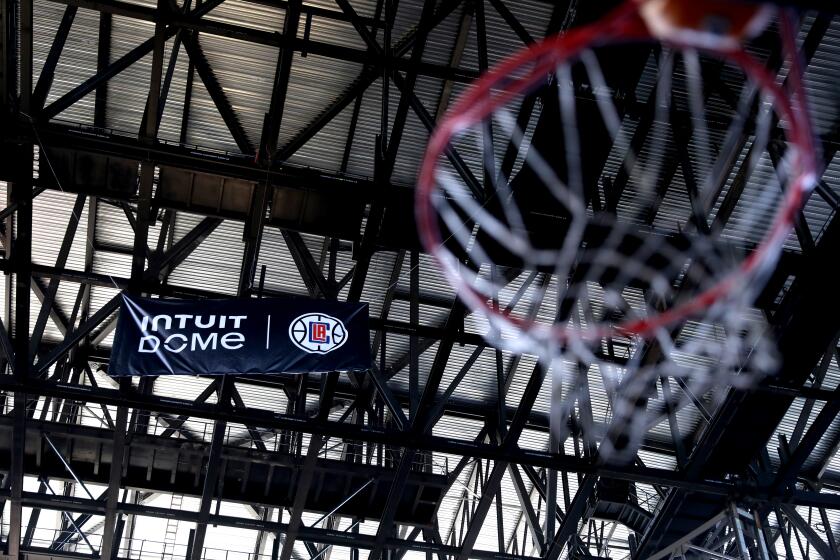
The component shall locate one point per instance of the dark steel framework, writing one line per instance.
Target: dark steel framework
(722, 467)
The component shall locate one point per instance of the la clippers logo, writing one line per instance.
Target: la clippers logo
(317, 333)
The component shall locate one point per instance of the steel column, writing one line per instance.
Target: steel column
(110, 545)
(494, 479)
(21, 195)
(304, 482)
(822, 548)
(45, 79)
(211, 476)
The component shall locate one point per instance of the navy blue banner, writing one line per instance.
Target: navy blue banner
(241, 336)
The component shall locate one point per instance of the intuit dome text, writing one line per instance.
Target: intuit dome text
(176, 333)
(248, 336)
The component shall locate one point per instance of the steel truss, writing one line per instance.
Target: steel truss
(51, 388)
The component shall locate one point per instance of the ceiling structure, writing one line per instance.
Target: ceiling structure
(259, 148)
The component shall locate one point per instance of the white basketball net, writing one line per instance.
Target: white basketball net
(698, 194)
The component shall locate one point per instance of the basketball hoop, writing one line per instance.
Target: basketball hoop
(635, 299)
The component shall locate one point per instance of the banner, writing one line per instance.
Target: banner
(241, 336)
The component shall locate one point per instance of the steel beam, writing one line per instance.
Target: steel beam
(669, 551)
(109, 544)
(256, 36)
(105, 74)
(255, 435)
(429, 122)
(52, 288)
(171, 259)
(372, 226)
(421, 423)
(818, 377)
(455, 57)
(217, 94)
(574, 514)
(317, 285)
(819, 427)
(170, 71)
(8, 58)
(103, 59)
(820, 546)
(495, 477)
(530, 515)
(324, 536)
(512, 22)
(388, 299)
(398, 126)
(65, 538)
(270, 419)
(413, 340)
(281, 82)
(202, 397)
(388, 397)
(307, 471)
(45, 79)
(212, 474)
(185, 113)
(253, 233)
(16, 477)
(21, 195)
(367, 77)
(58, 317)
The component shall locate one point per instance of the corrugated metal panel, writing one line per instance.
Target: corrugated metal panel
(793, 417)
(246, 73)
(378, 280)
(821, 77)
(281, 272)
(78, 59)
(364, 140)
(249, 14)
(129, 90)
(335, 31)
(534, 17)
(307, 84)
(173, 110)
(51, 213)
(364, 8)
(216, 262)
(416, 135)
(206, 127)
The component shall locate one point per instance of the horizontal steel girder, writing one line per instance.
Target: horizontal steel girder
(400, 438)
(311, 534)
(267, 478)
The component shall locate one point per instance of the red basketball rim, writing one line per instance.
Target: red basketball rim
(622, 26)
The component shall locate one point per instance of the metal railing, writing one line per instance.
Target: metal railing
(44, 540)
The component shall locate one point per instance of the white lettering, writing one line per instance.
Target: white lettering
(178, 342)
(183, 320)
(203, 344)
(210, 323)
(166, 319)
(230, 340)
(152, 339)
(175, 349)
